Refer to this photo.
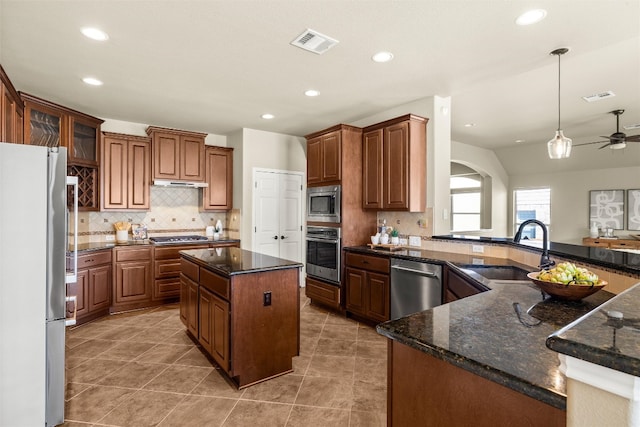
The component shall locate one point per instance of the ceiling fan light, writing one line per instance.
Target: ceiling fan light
(618, 145)
(559, 146)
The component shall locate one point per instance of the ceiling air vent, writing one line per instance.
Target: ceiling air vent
(314, 42)
(630, 127)
(599, 96)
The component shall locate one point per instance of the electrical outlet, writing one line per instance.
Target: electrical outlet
(477, 249)
(266, 298)
(414, 241)
(477, 261)
(403, 242)
(109, 238)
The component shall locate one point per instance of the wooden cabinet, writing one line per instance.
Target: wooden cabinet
(53, 125)
(11, 111)
(93, 287)
(411, 372)
(458, 286)
(133, 276)
(325, 293)
(214, 327)
(324, 164)
(367, 286)
(394, 165)
(611, 243)
(126, 172)
(218, 196)
(166, 267)
(177, 155)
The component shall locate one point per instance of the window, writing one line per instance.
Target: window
(532, 204)
(470, 199)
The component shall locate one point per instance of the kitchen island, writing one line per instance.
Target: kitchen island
(243, 308)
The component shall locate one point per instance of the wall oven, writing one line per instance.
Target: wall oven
(323, 204)
(323, 253)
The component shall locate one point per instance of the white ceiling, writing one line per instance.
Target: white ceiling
(216, 66)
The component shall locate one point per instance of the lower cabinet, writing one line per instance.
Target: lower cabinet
(133, 275)
(214, 327)
(322, 292)
(367, 288)
(458, 287)
(93, 286)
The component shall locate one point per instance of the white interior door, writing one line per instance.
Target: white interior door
(277, 205)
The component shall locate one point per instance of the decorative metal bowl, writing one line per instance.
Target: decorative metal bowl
(570, 292)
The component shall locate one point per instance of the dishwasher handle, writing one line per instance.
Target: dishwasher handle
(411, 270)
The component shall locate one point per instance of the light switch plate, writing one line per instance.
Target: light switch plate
(109, 238)
(414, 241)
(403, 242)
(477, 249)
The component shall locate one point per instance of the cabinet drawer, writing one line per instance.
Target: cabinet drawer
(323, 292)
(215, 283)
(93, 258)
(167, 268)
(367, 262)
(166, 288)
(190, 269)
(138, 254)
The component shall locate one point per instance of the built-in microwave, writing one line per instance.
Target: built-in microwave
(323, 204)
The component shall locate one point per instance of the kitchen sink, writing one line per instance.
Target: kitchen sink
(499, 272)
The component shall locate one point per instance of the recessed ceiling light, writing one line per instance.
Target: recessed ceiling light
(312, 92)
(267, 116)
(95, 34)
(469, 125)
(519, 141)
(92, 81)
(531, 17)
(382, 57)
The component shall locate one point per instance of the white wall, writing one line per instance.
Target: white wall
(486, 162)
(570, 197)
(261, 149)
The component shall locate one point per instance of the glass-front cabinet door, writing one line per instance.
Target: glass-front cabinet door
(43, 126)
(84, 148)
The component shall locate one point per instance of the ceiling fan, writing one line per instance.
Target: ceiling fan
(616, 140)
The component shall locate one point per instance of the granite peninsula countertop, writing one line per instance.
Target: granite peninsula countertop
(603, 337)
(484, 334)
(230, 261)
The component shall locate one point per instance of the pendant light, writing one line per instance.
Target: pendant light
(560, 146)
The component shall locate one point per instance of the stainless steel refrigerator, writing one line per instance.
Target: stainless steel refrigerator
(33, 244)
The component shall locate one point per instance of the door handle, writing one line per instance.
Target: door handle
(275, 237)
(282, 237)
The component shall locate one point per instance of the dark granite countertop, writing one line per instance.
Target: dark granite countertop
(623, 261)
(97, 246)
(603, 339)
(230, 261)
(483, 334)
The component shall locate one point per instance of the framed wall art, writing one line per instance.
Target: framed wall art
(633, 209)
(606, 208)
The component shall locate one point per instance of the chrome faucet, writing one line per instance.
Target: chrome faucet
(545, 261)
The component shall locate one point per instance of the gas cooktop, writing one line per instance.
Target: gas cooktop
(179, 239)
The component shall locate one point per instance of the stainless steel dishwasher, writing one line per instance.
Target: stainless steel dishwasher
(415, 286)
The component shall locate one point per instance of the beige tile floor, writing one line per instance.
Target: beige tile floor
(141, 369)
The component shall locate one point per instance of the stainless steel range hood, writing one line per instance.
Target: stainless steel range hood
(182, 184)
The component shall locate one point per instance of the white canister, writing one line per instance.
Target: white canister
(122, 236)
(593, 231)
(209, 231)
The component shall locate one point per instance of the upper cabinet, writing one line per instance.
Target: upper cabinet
(394, 165)
(218, 195)
(126, 172)
(177, 155)
(52, 125)
(324, 164)
(11, 111)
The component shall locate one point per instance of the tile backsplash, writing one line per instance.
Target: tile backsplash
(409, 223)
(173, 211)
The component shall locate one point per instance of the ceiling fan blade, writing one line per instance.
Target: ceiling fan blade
(605, 146)
(590, 143)
(602, 136)
(633, 138)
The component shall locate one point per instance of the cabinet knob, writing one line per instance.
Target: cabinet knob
(275, 237)
(282, 237)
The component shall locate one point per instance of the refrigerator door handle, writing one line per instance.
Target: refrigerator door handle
(70, 321)
(73, 277)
